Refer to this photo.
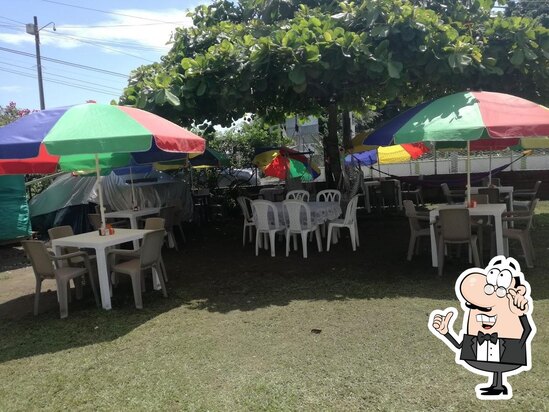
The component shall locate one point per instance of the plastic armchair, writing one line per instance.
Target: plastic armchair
(267, 223)
(419, 226)
(329, 195)
(452, 196)
(349, 222)
(492, 193)
(245, 204)
(527, 194)
(168, 214)
(455, 228)
(298, 215)
(522, 234)
(64, 231)
(148, 256)
(298, 195)
(43, 266)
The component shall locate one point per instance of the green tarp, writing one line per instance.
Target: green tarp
(14, 215)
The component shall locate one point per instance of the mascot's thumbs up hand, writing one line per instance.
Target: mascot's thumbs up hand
(441, 321)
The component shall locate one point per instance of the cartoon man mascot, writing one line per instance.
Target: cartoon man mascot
(497, 325)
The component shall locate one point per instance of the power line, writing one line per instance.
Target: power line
(61, 82)
(109, 12)
(65, 77)
(15, 21)
(80, 66)
(100, 46)
(114, 25)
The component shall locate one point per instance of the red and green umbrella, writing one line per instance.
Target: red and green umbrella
(483, 120)
(91, 137)
(283, 163)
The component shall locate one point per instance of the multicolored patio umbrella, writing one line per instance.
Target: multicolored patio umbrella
(94, 136)
(365, 155)
(473, 117)
(210, 158)
(283, 163)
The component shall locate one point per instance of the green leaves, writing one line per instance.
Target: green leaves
(297, 76)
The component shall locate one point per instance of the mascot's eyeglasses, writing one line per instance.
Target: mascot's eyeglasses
(500, 290)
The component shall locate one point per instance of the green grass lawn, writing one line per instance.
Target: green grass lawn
(236, 334)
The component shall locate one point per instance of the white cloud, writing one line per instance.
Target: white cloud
(118, 32)
(11, 89)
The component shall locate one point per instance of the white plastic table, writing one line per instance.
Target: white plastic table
(93, 240)
(132, 215)
(492, 209)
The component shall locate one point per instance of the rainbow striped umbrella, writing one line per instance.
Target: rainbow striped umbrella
(283, 163)
(366, 155)
(92, 136)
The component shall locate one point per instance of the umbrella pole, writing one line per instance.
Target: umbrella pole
(468, 173)
(100, 190)
(378, 164)
(134, 203)
(490, 169)
(435, 155)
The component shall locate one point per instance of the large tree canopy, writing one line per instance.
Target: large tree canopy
(275, 57)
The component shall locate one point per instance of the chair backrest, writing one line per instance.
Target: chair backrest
(328, 195)
(411, 213)
(265, 215)
(95, 220)
(167, 213)
(151, 247)
(298, 195)
(350, 213)
(480, 199)
(455, 224)
(492, 192)
(245, 204)
(496, 181)
(295, 220)
(40, 258)
(63, 231)
(531, 211)
(388, 189)
(154, 223)
(536, 187)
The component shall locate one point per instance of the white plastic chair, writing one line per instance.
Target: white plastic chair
(328, 195)
(298, 215)
(245, 204)
(349, 222)
(298, 195)
(266, 221)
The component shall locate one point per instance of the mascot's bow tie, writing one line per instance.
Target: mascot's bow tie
(492, 337)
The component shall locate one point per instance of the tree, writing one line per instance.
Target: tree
(276, 57)
(11, 113)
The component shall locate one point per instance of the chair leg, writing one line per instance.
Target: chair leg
(62, 286)
(78, 287)
(440, 256)
(288, 242)
(411, 245)
(37, 295)
(356, 234)
(136, 286)
(294, 236)
(272, 241)
(329, 237)
(527, 253)
(257, 240)
(353, 237)
(318, 239)
(163, 269)
(244, 235)
(304, 243)
(156, 269)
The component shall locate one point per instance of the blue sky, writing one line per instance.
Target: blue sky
(109, 35)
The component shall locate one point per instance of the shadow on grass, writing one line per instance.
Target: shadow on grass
(214, 272)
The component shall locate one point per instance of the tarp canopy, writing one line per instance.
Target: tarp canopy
(14, 219)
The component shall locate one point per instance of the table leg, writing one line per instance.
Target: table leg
(367, 199)
(103, 275)
(499, 235)
(434, 256)
(133, 225)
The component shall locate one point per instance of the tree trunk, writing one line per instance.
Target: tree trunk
(333, 165)
(347, 138)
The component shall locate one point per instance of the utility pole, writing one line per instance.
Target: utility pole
(32, 28)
